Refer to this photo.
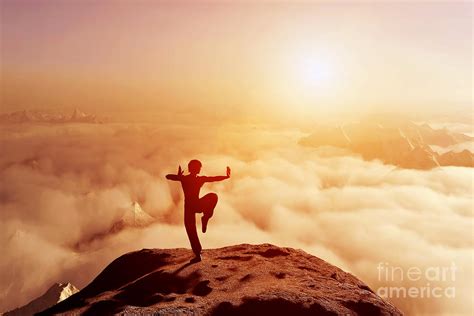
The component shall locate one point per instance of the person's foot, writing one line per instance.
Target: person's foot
(195, 259)
(204, 221)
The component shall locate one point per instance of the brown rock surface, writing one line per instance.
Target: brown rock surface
(237, 280)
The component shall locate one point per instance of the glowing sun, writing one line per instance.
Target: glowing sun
(314, 71)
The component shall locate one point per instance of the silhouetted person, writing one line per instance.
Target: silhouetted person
(193, 204)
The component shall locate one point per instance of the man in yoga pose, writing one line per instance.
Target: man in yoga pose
(193, 204)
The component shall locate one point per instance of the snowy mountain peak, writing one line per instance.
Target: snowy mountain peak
(77, 114)
(137, 216)
(55, 294)
(133, 216)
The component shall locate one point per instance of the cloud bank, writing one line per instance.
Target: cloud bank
(62, 185)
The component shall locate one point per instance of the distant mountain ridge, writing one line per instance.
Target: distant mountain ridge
(30, 116)
(398, 142)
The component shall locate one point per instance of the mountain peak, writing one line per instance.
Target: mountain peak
(55, 294)
(137, 217)
(78, 114)
(133, 216)
(397, 142)
(237, 280)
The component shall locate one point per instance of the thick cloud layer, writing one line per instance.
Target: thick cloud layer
(63, 186)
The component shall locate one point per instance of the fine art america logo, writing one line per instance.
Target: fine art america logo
(416, 282)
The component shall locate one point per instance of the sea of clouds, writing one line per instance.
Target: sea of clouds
(63, 186)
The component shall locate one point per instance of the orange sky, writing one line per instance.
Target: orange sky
(292, 58)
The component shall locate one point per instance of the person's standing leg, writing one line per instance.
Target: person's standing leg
(190, 225)
(207, 204)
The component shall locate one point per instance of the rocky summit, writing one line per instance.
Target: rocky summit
(236, 280)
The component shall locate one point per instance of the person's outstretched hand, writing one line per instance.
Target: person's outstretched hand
(228, 172)
(180, 171)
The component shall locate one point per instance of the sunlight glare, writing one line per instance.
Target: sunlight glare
(314, 72)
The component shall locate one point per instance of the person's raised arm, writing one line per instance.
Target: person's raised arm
(175, 177)
(217, 178)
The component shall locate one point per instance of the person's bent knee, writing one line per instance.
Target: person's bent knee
(213, 197)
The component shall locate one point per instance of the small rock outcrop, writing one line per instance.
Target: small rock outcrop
(237, 280)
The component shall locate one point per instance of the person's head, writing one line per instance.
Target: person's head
(194, 166)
